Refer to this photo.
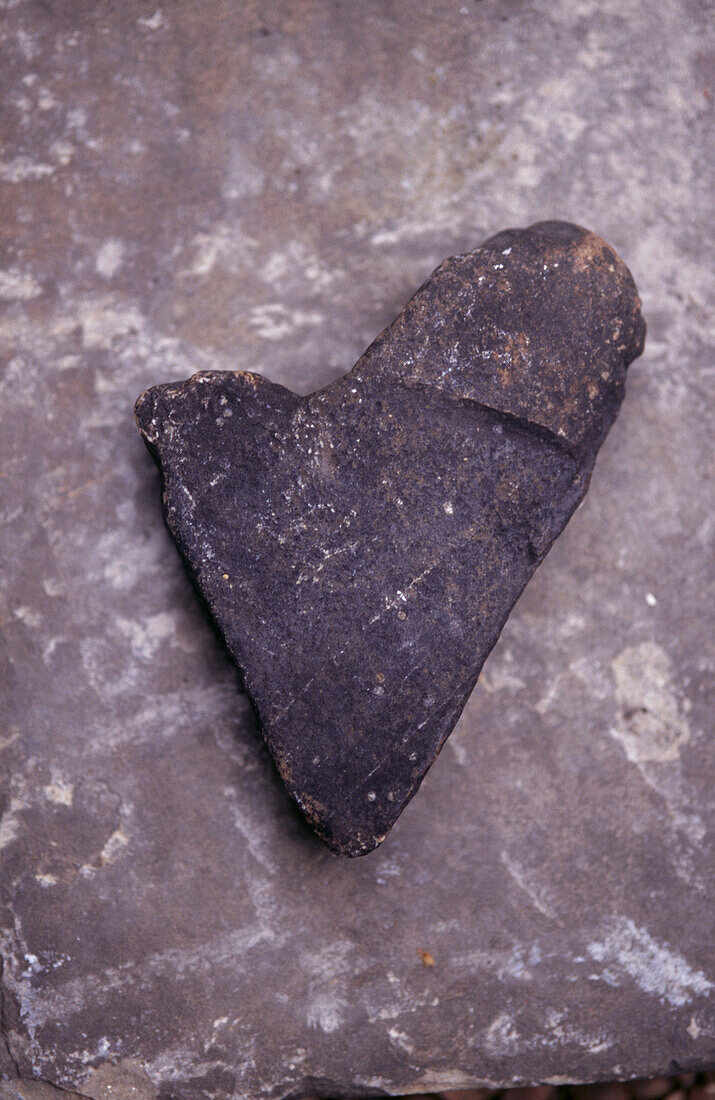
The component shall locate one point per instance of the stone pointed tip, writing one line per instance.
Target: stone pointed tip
(349, 845)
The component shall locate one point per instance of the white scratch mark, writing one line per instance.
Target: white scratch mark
(534, 893)
(655, 968)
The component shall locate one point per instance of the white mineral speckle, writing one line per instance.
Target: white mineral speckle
(109, 258)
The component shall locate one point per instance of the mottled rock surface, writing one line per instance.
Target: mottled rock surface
(188, 187)
(361, 548)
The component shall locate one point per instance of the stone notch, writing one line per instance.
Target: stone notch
(360, 548)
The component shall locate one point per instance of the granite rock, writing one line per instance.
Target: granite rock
(360, 548)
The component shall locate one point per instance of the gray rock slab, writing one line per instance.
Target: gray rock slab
(188, 187)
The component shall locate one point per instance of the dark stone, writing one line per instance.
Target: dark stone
(360, 548)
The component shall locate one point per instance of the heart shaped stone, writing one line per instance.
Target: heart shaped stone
(360, 548)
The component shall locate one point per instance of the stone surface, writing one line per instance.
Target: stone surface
(361, 548)
(185, 187)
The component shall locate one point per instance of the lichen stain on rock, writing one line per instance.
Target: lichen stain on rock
(124, 1080)
(652, 725)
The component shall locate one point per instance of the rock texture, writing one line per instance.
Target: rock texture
(204, 186)
(361, 548)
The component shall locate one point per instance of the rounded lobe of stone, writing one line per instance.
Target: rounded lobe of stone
(360, 548)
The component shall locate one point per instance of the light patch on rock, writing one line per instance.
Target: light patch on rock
(120, 1077)
(243, 177)
(23, 169)
(152, 22)
(441, 1080)
(325, 1011)
(399, 1039)
(105, 320)
(28, 45)
(656, 968)
(229, 949)
(276, 267)
(561, 1032)
(77, 118)
(18, 286)
(459, 750)
(121, 572)
(34, 966)
(118, 561)
(10, 821)
(387, 236)
(327, 970)
(501, 1036)
(112, 847)
(209, 248)
(517, 963)
(27, 616)
(651, 725)
(295, 264)
(109, 258)
(498, 674)
(274, 321)
(148, 636)
(60, 791)
(45, 100)
(114, 844)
